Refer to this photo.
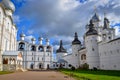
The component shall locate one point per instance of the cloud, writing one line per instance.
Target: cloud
(28, 38)
(16, 19)
(59, 19)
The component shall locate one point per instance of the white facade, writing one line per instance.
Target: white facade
(36, 56)
(8, 30)
(101, 49)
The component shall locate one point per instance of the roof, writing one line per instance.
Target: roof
(62, 61)
(76, 40)
(61, 48)
(106, 23)
(91, 30)
(95, 18)
(10, 53)
(22, 35)
(114, 39)
(8, 4)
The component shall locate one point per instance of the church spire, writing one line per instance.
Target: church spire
(95, 17)
(76, 40)
(91, 30)
(106, 22)
(61, 48)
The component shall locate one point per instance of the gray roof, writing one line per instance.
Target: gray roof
(8, 4)
(10, 53)
(62, 61)
(22, 35)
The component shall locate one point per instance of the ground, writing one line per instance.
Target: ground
(35, 75)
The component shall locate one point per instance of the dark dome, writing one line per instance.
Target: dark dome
(76, 41)
(61, 49)
(91, 30)
(95, 18)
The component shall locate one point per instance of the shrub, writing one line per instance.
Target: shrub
(84, 66)
(94, 68)
(72, 68)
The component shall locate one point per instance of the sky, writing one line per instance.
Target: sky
(60, 19)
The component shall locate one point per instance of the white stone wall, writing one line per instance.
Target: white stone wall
(92, 51)
(72, 59)
(110, 55)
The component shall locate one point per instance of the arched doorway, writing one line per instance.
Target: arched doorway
(32, 66)
(40, 65)
(48, 66)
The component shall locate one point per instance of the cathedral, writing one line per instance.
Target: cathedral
(100, 49)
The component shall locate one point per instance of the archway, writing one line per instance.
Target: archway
(21, 46)
(48, 49)
(33, 48)
(32, 66)
(83, 57)
(40, 48)
(48, 66)
(5, 60)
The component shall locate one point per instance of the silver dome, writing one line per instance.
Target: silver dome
(8, 4)
(33, 39)
(22, 35)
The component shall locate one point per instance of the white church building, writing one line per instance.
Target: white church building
(101, 48)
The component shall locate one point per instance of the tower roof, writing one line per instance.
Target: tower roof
(8, 4)
(76, 40)
(95, 18)
(91, 30)
(61, 48)
(106, 23)
(33, 39)
(22, 35)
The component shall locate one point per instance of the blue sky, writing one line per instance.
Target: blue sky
(59, 19)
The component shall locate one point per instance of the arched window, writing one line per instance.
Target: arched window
(5, 60)
(40, 48)
(48, 49)
(21, 46)
(83, 57)
(33, 48)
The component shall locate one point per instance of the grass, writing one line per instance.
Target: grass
(93, 75)
(5, 72)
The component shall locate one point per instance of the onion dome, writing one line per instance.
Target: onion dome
(106, 23)
(76, 40)
(61, 48)
(8, 4)
(33, 39)
(95, 18)
(22, 35)
(40, 38)
(91, 30)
